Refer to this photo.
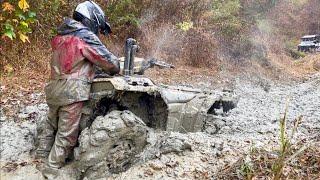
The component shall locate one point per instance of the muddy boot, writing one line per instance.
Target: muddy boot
(50, 172)
(40, 161)
(40, 165)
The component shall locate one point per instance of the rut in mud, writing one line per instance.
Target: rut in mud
(151, 109)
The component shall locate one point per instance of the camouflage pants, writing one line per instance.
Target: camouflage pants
(59, 133)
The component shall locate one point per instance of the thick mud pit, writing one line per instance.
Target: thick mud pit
(253, 123)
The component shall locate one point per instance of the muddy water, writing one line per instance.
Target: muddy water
(253, 123)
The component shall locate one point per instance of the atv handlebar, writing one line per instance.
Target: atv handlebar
(132, 65)
(154, 62)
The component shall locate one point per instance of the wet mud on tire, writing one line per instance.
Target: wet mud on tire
(110, 144)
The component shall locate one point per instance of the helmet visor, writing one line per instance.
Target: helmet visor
(105, 28)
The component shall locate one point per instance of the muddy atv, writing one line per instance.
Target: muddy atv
(162, 107)
(123, 109)
(309, 43)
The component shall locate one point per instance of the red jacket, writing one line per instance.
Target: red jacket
(76, 50)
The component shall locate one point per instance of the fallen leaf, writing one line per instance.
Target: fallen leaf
(8, 69)
(23, 38)
(7, 7)
(23, 4)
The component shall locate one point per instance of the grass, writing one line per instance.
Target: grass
(285, 145)
(290, 160)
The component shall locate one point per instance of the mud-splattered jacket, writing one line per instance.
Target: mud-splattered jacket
(75, 52)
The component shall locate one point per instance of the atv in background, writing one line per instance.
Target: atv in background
(309, 43)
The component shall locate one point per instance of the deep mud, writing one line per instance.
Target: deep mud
(253, 123)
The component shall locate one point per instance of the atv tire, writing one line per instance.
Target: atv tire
(110, 144)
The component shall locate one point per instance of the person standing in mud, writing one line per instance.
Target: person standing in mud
(76, 50)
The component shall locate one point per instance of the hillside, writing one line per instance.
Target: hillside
(207, 33)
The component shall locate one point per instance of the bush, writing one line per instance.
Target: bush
(291, 48)
(226, 16)
(296, 54)
(167, 29)
(16, 19)
(199, 49)
(124, 16)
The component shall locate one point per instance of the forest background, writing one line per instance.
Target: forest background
(207, 35)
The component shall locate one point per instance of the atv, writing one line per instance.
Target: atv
(163, 107)
(124, 109)
(309, 43)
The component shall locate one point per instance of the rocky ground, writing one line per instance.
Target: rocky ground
(253, 124)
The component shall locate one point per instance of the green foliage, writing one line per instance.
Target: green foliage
(124, 14)
(16, 19)
(299, 3)
(285, 144)
(246, 170)
(8, 31)
(226, 15)
(230, 27)
(296, 54)
(55, 4)
(291, 48)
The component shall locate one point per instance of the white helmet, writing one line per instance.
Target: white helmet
(91, 15)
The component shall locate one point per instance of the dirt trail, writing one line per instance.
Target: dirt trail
(254, 123)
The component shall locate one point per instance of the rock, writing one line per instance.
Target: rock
(176, 142)
(157, 165)
(148, 172)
